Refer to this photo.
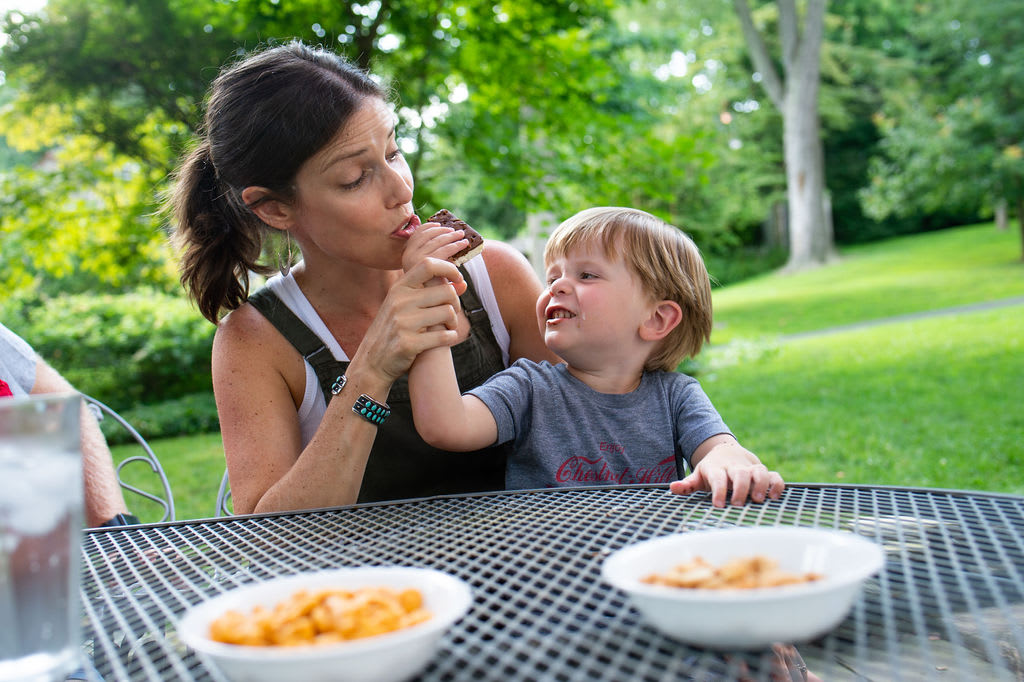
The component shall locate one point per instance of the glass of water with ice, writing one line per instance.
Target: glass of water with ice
(41, 502)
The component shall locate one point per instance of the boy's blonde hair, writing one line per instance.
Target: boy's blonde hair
(667, 263)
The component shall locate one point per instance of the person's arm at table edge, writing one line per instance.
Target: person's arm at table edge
(444, 417)
(721, 463)
(104, 500)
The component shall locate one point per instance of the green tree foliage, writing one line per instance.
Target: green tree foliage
(952, 136)
(693, 161)
(504, 108)
(80, 217)
(115, 87)
(863, 58)
(698, 154)
(99, 101)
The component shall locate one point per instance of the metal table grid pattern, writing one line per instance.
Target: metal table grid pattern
(948, 604)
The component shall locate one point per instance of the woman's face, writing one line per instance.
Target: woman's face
(353, 198)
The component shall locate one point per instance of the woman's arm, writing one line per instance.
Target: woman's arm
(258, 378)
(517, 287)
(253, 370)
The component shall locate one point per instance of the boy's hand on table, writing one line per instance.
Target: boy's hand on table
(728, 465)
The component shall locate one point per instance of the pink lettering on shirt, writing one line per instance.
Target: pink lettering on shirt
(578, 470)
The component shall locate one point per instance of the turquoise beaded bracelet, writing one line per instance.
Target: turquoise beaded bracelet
(365, 406)
(371, 410)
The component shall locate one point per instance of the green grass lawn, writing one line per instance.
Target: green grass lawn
(194, 466)
(893, 277)
(932, 402)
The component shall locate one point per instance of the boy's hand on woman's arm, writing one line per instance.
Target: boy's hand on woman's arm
(720, 464)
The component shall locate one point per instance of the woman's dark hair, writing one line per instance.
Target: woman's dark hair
(265, 116)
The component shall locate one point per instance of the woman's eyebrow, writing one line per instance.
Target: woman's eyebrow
(334, 159)
(331, 160)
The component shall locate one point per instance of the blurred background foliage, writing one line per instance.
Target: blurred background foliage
(506, 110)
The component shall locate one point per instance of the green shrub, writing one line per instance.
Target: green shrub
(195, 413)
(127, 350)
(741, 264)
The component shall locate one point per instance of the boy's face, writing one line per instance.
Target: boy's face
(592, 308)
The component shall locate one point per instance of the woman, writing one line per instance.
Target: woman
(297, 140)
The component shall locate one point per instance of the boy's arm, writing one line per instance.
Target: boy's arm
(443, 416)
(721, 463)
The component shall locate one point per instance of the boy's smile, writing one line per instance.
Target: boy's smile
(555, 314)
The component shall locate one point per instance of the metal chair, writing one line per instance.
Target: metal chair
(166, 502)
(224, 497)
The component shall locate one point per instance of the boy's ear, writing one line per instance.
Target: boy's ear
(268, 207)
(665, 316)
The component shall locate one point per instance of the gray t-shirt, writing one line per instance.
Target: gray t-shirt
(17, 362)
(564, 433)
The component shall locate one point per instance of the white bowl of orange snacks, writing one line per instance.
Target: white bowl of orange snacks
(745, 588)
(366, 623)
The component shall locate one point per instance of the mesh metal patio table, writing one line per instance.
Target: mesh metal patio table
(948, 605)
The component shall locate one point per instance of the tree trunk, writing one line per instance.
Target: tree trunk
(809, 239)
(1002, 220)
(1020, 223)
(1017, 193)
(539, 226)
(775, 230)
(795, 94)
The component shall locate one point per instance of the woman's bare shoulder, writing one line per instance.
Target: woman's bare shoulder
(245, 337)
(505, 262)
(245, 325)
(516, 288)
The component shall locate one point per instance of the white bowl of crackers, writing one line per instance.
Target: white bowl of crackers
(366, 623)
(745, 588)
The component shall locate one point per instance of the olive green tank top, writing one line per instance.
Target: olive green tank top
(401, 465)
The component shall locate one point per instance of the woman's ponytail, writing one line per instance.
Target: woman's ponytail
(220, 240)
